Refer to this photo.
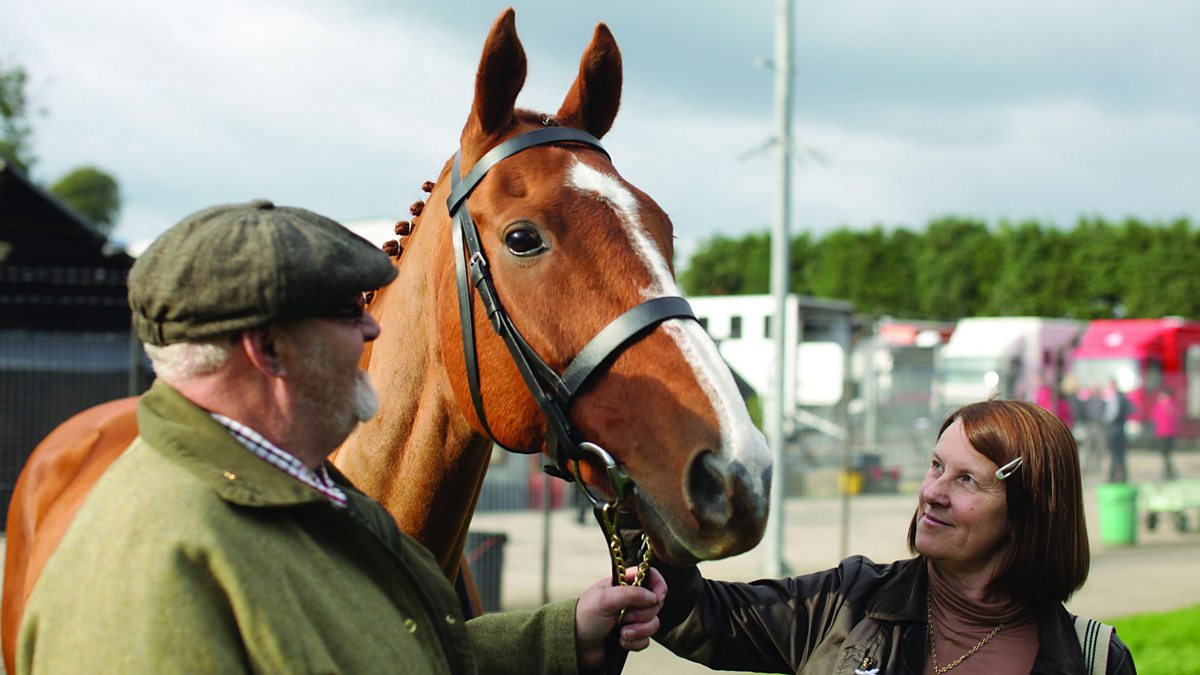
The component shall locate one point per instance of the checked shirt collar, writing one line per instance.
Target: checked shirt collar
(267, 451)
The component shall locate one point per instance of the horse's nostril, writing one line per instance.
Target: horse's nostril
(707, 490)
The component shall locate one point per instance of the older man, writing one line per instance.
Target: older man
(222, 540)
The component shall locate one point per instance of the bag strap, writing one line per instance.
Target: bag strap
(1093, 639)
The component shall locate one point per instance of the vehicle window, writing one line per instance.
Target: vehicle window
(1192, 367)
(1154, 376)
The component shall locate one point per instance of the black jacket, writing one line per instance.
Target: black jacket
(859, 615)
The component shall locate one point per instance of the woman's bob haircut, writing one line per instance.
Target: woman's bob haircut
(1047, 556)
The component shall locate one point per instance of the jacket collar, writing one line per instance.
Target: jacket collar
(901, 599)
(187, 435)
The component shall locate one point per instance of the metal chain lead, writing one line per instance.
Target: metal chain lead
(616, 551)
(644, 565)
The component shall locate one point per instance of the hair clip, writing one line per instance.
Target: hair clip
(1008, 469)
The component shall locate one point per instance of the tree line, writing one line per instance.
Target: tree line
(89, 190)
(960, 267)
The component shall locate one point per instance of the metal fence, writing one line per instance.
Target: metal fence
(48, 376)
(887, 429)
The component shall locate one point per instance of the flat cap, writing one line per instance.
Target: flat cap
(238, 266)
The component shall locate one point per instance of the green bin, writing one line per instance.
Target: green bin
(1118, 513)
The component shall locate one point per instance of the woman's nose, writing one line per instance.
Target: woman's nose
(933, 491)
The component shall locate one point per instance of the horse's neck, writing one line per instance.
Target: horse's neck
(417, 456)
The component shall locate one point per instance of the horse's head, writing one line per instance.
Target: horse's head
(570, 246)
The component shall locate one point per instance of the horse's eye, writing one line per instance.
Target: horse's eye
(524, 241)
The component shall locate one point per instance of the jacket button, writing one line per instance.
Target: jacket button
(450, 619)
(410, 625)
(230, 475)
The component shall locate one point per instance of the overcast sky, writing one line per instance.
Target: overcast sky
(998, 110)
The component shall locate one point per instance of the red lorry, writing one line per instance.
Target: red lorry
(1143, 356)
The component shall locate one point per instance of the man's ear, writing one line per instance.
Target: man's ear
(261, 347)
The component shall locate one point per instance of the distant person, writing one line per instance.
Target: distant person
(1069, 400)
(1000, 542)
(223, 540)
(1091, 417)
(1053, 399)
(1114, 413)
(1064, 407)
(1043, 393)
(1165, 416)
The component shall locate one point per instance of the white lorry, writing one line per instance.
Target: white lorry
(1009, 357)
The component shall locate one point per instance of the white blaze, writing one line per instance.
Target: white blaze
(739, 437)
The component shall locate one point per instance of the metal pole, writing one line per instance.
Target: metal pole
(847, 450)
(773, 564)
(547, 486)
(871, 392)
(848, 440)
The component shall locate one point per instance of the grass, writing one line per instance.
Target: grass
(1166, 643)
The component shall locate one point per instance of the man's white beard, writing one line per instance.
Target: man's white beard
(366, 402)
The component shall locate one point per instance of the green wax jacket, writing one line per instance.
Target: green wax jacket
(193, 555)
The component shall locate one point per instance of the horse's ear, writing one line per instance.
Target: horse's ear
(499, 79)
(592, 103)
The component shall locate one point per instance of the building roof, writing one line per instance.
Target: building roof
(57, 270)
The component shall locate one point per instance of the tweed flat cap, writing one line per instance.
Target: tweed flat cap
(237, 266)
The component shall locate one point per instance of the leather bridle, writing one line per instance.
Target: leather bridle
(553, 392)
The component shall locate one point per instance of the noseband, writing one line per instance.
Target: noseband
(553, 392)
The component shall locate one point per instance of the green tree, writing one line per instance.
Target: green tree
(897, 274)
(871, 268)
(727, 266)
(93, 193)
(801, 257)
(1095, 270)
(1033, 280)
(841, 266)
(958, 267)
(15, 130)
(1159, 269)
(955, 265)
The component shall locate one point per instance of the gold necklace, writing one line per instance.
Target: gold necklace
(933, 650)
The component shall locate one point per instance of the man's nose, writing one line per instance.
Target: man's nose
(369, 327)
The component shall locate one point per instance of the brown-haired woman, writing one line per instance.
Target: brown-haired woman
(1001, 543)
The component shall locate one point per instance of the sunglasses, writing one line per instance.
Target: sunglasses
(347, 311)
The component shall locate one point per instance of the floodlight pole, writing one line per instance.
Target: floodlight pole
(773, 564)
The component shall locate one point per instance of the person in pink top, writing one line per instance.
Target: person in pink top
(1165, 416)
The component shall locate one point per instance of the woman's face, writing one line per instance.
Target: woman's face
(962, 521)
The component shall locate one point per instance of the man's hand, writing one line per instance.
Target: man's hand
(597, 611)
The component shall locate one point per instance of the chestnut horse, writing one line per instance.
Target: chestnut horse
(570, 249)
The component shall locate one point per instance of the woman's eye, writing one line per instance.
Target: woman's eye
(524, 241)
